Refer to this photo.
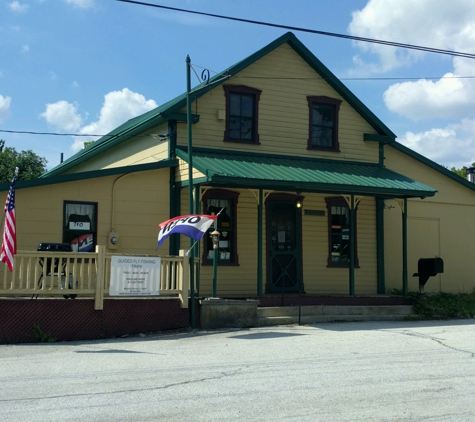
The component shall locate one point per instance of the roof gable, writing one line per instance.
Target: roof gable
(162, 114)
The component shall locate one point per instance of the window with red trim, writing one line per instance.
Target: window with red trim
(339, 233)
(323, 123)
(214, 201)
(241, 114)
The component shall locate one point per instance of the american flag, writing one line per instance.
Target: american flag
(9, 229)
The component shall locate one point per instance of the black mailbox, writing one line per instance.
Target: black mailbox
(428, 267)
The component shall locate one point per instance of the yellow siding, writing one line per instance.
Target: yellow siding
(439, 226)
(182, 173)
(318, 278)
(132, 204)
(141, 149)
(286, 81)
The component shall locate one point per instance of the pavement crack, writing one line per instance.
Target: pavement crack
(437, 340)
(176, 384)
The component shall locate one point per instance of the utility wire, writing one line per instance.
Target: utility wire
(311, 31)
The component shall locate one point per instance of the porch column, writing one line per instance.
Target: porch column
(352, 245)
(380, 246)
(259, 242)
(404, 247)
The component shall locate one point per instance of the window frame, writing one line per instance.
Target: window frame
(328, 102)
(94, 222)
(242, 90)
(340, 202)
(226, 195)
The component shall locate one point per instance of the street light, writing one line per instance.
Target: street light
(215, 238)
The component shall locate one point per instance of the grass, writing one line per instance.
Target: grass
(40, 336)
(436, 306)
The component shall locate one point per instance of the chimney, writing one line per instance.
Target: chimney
(470, 172)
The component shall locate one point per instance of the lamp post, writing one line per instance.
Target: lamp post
(215, 238)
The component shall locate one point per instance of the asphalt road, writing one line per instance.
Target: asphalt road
(379, 371)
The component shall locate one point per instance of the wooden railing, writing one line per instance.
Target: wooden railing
(41, 273)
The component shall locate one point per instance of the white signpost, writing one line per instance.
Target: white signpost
(135, 276)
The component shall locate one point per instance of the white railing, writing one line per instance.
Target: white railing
(56, 273)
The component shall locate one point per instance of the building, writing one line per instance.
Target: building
(317, 196)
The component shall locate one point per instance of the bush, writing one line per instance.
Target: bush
(445, 305)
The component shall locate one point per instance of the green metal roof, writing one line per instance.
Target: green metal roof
(303, 174)
(162, 114)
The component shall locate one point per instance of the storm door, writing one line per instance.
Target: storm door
(284, 247)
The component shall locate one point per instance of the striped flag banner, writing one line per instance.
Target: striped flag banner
(9, 229)
(193, 225)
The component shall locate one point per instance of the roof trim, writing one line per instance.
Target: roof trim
(73, 177)
(432, 164)
(164, 113)
(371, 137)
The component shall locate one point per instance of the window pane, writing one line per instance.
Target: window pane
(235, 105)
(317, 117)
(247, 103)
(327, 114)
(246, 128)
(234, 128)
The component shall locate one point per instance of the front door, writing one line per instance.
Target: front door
(284, 247)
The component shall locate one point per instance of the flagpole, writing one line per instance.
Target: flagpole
(190, 190)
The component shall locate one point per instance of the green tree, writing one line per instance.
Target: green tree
(462, 172)
(30, 165)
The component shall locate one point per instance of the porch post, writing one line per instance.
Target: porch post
(352, 245)
(259, 243)
(404, 248)
(381, 283)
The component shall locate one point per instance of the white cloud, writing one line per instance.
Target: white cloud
(118, 107)
(451, 146)
(16, 6)
(83, 4)
(4, 107)
(25, 48)
(448, 25)
(63, 115)
(449, 97)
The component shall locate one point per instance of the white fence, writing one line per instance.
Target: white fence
(40, 273)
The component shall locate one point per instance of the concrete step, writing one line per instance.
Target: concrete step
(314, 314)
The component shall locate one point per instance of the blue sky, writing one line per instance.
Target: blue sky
(86, 66)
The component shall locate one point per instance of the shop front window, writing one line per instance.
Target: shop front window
(80, 225)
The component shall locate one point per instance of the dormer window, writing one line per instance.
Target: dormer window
(323, 123)
(241, 114)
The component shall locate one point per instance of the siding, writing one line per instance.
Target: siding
(442, 225)
(133, 204)
(285, 80)
(137, 150)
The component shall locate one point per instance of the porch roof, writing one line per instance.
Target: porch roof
(277, 172)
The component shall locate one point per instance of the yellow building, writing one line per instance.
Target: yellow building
(317, 195)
